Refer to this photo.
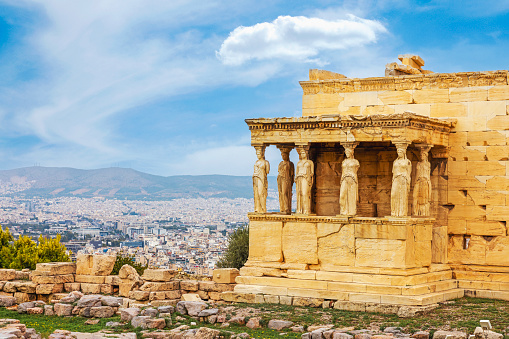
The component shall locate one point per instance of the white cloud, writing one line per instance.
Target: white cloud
(297, 38)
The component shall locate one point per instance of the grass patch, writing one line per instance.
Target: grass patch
(462, 314)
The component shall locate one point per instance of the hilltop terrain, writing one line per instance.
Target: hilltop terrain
(121, 183)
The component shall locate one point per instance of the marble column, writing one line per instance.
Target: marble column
(260, 183)
(349, 188)
(401, 176)
(285, 177)
(422, 188)
(304, 180)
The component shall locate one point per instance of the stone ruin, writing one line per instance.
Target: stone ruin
(402, 190)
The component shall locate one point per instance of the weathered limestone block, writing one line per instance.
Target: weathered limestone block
(139, 295)
(89, 279)
(7, 274)
(49, 288)
(112, 280)
(426, 96)
(91, 288)
(20, 286)
(380, 253)
(265, 241)
(102, 312)
(497, 93)
(336, 246)
(158, 275)
(107, 289)
(55, 268)
(160, 286)
(474, 254)
(22, 297)
(63, 310)
(300, 243)
(128, 272)
(225, 275)
(395, 97)
(497, 251)
(462, 94)
(69, 287)
(35, 310)
(189, 285)
(88, 264)
(127, 314)
(7, 301)
(56, 279)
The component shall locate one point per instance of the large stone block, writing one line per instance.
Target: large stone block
(55, 268)
(361, 99)
(55, 279)
(336, 244)
(497, 93)
(91, 288)
(395, 97)
(482, 138)
(497, 251)
(158, 275)
(300, 243)
(49, 288)
(265, 241)
(486, 228)
(89, 279)
(7, 274)
(445, 110)
(380, 253)
(88, 264)
(427, 96)
(225, 275)
(462, 94)
(160, 286)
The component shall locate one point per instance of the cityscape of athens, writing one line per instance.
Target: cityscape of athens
(227, 170)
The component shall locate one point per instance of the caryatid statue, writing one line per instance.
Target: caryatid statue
(422, 187)
(349, 189)
(260, 183)
(401, 171)
(304, 179)
(286, 173)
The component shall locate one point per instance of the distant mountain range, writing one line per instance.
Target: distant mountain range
(121, 183)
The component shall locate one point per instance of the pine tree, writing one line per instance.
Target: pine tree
(238, 249)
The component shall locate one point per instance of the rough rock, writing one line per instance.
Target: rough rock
(6, 301)
(189, 285)
(238, 320)
(127, 314)
(7, 274)
(278, 325)
(113, 324)
(254, 323)
(480, 334)
(208, 312)
(166, 309)
(150, 312)
(55, 268)
(92, 321)
(341, 335)
(35, 310)
(110, 301)
(128, 272)
(421, 335)
(102, 312)
(158, 275)
(194, 307)
(48, 310)
(453, 334)
(22, 308)
(181, 308)
(207, 333)
(92, 300)
(63, 309)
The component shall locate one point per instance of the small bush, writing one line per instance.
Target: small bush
(127, 259)
(238, 249)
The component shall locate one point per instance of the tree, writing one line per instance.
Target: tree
(238, 249)
(51, 250)
(6, 248)
(25, 253)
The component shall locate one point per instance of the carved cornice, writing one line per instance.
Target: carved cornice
(351, 122)
(407, 82)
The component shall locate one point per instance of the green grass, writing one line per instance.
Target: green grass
(462, 314)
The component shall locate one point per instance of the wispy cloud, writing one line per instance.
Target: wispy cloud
(297, 38)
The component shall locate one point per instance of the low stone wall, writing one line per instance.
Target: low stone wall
(91, 275)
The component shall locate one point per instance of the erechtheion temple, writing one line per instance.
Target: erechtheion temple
(401, 191)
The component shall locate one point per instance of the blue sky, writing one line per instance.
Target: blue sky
(164, 86)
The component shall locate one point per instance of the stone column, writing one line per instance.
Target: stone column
(401, 176)
(304, 179)
(349, 188)
(260, 183)
(285, 177)
(422, 188)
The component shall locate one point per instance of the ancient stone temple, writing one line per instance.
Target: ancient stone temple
(401, 192)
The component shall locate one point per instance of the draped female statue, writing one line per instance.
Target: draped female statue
(260, 183)
(349, 189)
(304, 178)
(285, 178)
(422, 188)
(401, 171)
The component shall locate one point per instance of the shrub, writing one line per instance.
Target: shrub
(238, 249)
(127, 259)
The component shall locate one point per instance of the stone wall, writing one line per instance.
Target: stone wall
(91, 275)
